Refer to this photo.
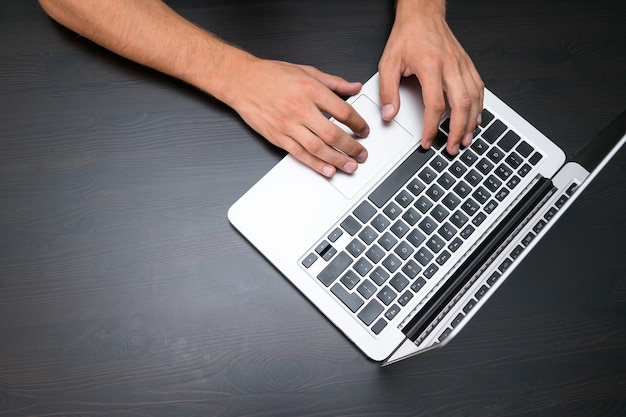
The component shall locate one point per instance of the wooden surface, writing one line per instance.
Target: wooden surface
(124, 291)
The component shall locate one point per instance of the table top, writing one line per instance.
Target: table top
(125, 291)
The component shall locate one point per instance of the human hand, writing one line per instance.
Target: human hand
(286, 103)
(422, 44)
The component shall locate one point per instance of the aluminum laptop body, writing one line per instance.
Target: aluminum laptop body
(400, 272)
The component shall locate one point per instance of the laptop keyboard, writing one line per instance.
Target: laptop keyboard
(383, 253)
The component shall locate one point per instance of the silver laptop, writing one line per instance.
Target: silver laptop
(401, 254)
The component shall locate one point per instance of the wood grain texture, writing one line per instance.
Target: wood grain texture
(125, 292)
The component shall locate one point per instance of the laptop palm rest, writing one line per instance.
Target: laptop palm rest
(385, 141)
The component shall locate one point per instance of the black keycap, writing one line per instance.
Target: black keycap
(350, 279)
(367, 289)
(392, 263)
(462, 189)
(399, 228)
(375, 254)
(509, 140)
(525, 149)
(535, 158)
(430, 271)
(364, 211)
(423, 256)
(438, 163)
(495, 154)
(352, 301)
(351, 225)
(486, 118)
(363, 266)
(427, 175)
(403, 250)
(368, 235)
(411, 269)
(335, 268)
(399, 282)
(492, 183)
(427, 225)
(479, 146)
(379, 326)
(423, 204)
(473, 177)
(370, 312)
(458, 169)
(458, 219)
(309, 260)
(435, 192)
(392, 210)
(416, 237)
(451, 201)
(404, 198)
(387, 241)
(405, 298)
(380, 222)
(392, 312)
(446, 180)
(379, 276)
(484, 166)
(418, 284)
(416, 186)
(356, 247)
(335, 234)
(411, 216)
(494, 131)
(435, 243)
(400, 176)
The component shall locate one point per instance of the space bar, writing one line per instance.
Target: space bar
(400, 176)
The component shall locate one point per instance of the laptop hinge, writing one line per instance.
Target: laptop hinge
(475, 264)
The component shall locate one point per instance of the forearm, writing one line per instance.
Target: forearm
(152, 34)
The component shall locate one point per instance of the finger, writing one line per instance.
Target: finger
(335, 139)
(317, 153)
(335, 83)
(301, 154)
(434, 106)
(389, 95)
(475, 91)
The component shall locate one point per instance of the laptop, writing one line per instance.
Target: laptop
(402, 254)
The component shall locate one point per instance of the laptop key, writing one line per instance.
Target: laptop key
(352, 301)
(379, 326)
(400, 176)
(335, 268)
(364, 211)
(370, 312)
(351, 225)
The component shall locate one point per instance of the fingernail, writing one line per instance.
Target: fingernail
(467, 140)
(362, 156)
(388, 110)
(364, 133)
(350, 167)
(479, 119)
(455, 149)
(328, 171)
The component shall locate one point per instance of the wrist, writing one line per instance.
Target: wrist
(420, 8)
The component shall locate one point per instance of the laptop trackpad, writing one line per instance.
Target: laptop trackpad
(385, 141)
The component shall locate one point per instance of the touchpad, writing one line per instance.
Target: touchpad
(384, 144)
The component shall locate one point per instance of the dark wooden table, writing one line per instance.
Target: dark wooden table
(124, 291)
